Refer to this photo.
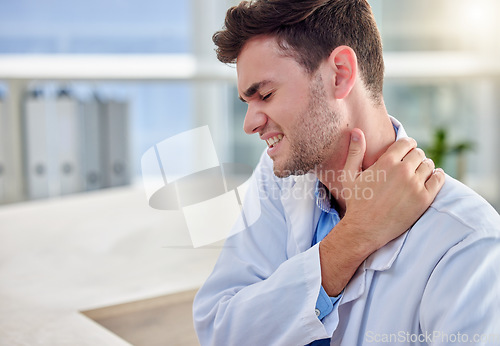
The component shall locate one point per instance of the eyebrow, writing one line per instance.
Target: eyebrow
(255, 87)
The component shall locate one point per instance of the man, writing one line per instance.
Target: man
(336, 256)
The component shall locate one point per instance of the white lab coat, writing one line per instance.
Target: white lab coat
(437, 283)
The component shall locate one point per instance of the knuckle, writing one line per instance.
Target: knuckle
(440, 176)
(432, 183)
(427, 164)
(406, 140)
(410, 141)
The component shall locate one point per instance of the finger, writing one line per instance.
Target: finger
(435, 182)
(414, 158)
(398, 150)
(425, 169)
(356, 154)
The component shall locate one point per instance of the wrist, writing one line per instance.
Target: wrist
(355, 236)
(341, 253)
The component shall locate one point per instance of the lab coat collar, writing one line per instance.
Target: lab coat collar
(379, 261)
(298, 200)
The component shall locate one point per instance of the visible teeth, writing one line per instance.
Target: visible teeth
(273, 140)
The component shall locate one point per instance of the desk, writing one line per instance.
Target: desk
(82, 252)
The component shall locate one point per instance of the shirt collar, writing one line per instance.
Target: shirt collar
(322, 197)
(400, 131)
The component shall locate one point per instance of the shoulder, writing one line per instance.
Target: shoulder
(465, 207)
(457, 217)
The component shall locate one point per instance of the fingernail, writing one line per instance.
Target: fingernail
(354, 136)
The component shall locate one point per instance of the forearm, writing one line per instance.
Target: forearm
(341, 253)
(279, 308)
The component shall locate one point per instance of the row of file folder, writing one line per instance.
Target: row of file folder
(73, 145)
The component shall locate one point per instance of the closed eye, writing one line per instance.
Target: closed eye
(267, 96)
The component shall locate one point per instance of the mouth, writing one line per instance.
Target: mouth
(272, 141)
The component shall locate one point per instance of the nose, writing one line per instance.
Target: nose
(255, 119)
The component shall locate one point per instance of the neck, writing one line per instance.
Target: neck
(375, 123)
(379, 134)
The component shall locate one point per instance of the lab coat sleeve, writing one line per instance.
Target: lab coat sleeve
(461, 303)
(255, 294)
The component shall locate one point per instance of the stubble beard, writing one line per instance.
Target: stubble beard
(312, 138)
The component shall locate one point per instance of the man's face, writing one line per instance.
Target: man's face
(288, 108)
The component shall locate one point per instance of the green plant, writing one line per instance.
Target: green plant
(439, 149)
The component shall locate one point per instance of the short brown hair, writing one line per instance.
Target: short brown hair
(308, 31)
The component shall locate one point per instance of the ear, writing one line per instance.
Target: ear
(344, 63)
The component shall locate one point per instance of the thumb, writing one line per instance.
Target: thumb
(357, 148)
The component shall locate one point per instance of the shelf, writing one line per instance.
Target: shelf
(439, 65)
(399, 65)
(111, 67)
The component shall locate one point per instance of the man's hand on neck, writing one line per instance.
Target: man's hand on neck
(379, 135)
(380, 204)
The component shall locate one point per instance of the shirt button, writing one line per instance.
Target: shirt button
(317, 312)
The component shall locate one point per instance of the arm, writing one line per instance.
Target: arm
(256, 295)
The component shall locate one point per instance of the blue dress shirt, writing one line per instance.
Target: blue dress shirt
(328, 219)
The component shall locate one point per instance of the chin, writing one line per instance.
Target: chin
(280, 173)
(284, 173)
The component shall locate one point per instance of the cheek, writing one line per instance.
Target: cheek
(297, 110)
(288, 111)
(283, 117)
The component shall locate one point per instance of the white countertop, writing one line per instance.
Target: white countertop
(75, 253)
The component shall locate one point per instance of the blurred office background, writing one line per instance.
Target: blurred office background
(137, 72)
(155, 60)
